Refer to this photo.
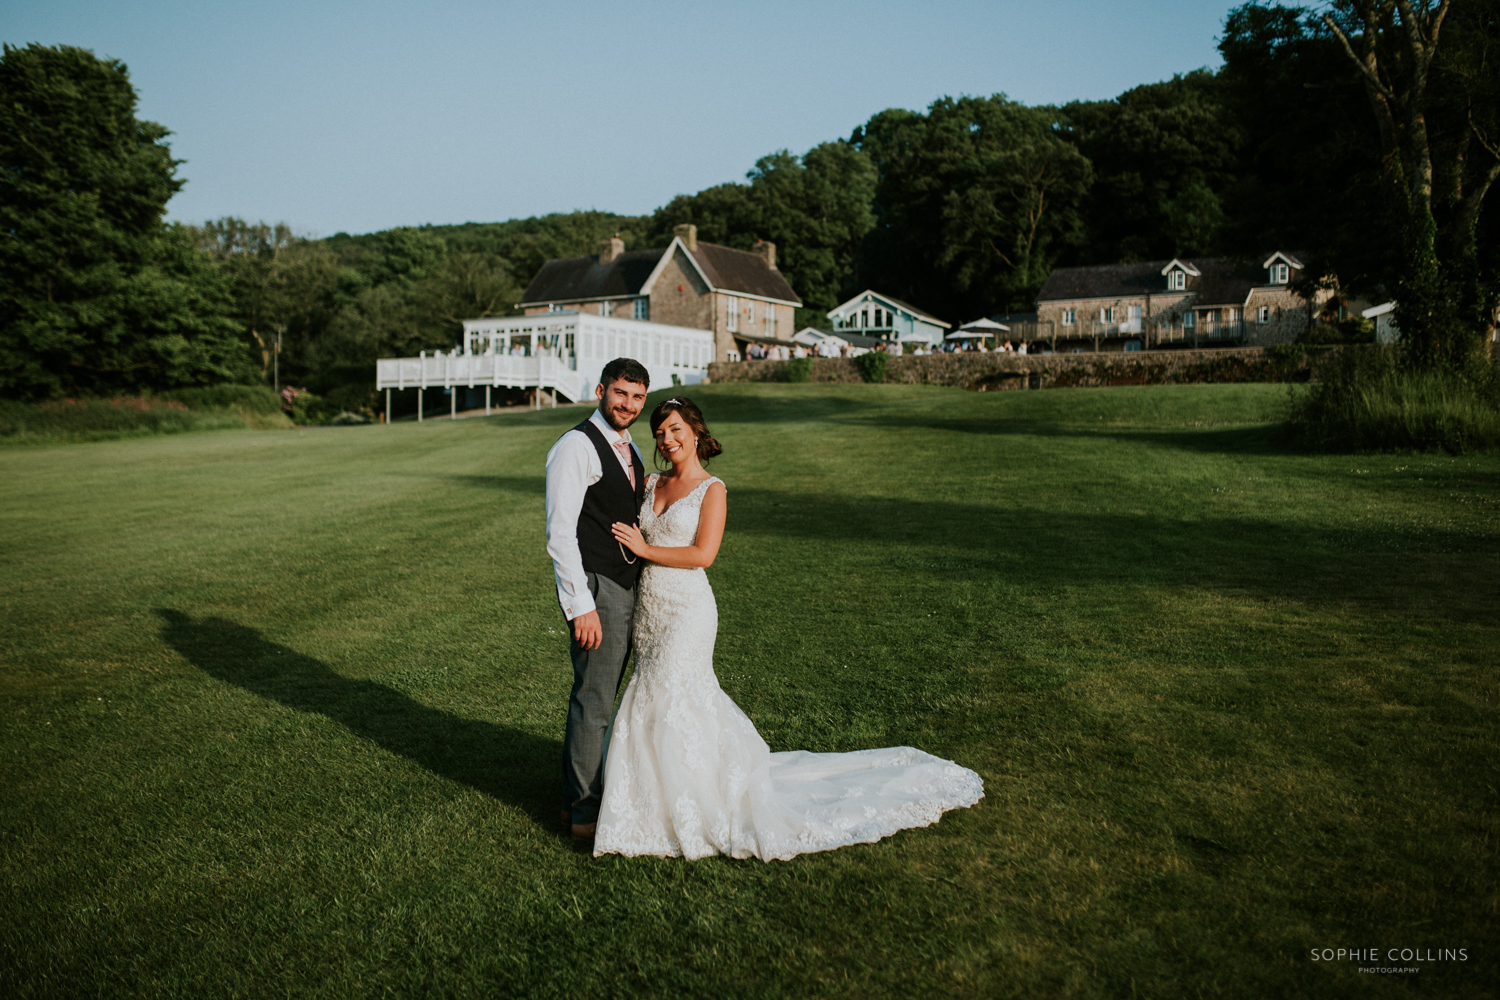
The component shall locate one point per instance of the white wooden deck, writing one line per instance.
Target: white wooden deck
(559, 353)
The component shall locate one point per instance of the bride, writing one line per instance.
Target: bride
(685, 773)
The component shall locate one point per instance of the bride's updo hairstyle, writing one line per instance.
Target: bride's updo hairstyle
(693, 417)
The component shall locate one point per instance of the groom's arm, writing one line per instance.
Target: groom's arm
(568, 477)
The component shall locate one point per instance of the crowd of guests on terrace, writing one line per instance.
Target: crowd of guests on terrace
(831, 348)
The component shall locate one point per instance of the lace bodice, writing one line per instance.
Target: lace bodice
(678, 524)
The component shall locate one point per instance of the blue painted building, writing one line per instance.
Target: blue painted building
(870, 314)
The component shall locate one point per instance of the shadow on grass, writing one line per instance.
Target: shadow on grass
(1317, 561)
(1239, 440)
(507, 764)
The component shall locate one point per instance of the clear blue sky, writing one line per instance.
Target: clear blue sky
(362, 116)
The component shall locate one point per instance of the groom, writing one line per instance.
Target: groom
(595, 477)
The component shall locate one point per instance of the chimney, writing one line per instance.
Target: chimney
(767, 250)
(689, 234)
(610, 249)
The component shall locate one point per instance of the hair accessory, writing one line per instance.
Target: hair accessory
(674, 399)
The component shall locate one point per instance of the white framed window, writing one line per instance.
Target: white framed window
(732, 307)
(770, 321)
(1263, 314)
(1070, 317)
(750, 312)
(1189, 320)
(1107, 314)
(642, 308)
(1279, 274)
(553, 307)
(864, 319)
(606, 308)
(1176, 280)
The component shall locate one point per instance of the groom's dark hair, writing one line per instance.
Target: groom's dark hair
(625, 370)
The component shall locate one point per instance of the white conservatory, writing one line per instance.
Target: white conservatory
(563, 352)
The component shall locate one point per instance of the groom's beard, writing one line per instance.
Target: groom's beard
(614, 418)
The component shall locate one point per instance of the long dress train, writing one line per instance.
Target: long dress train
(687, 775)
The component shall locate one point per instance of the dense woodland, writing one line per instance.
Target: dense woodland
(1365, 138)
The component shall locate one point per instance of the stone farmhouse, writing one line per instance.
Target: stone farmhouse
(1208, 301)
(884, 317)
(738, 295)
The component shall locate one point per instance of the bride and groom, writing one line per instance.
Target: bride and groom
(680, 771)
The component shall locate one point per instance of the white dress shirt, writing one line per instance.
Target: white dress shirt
(572, 467)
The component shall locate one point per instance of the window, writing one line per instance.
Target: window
(1189, 320)
(1263, 314)
(1278, 274)
(553, 307)
(1176, 280)
(732, 307)
(750, 312)
(606, 309)
(770, 321)
(864, 319)
(642, 308)
(1107, 314)
(1070, 316)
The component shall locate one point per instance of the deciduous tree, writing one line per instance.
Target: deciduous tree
(975, 202)
(1430, 83)
(97, 293)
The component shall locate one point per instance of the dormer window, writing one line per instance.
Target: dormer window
(1279, 273)
(1176, 281)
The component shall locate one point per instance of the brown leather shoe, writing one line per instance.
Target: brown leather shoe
(584, 831)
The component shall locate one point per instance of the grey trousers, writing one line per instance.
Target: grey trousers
(596, 681)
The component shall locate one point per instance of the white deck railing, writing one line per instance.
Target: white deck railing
(456, 369)
(561, 352)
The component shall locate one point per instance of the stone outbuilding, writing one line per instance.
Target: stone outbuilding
(738, 295)
(1184, 302)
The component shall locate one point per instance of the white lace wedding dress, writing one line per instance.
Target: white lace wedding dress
(687, 775)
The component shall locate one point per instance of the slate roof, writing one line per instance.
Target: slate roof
(585, 278)
(727, 270)
(1222, 281)
(742, 271)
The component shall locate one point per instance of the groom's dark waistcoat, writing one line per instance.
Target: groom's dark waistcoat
(609, 500)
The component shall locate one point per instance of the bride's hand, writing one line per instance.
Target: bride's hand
(630, 536)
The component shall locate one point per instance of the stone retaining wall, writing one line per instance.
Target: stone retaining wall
(990, 372)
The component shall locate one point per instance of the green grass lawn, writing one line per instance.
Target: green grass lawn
(283, 710)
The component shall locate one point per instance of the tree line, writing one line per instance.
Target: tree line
(1366, 136)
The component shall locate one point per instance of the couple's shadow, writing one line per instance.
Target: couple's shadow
(507, 764)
